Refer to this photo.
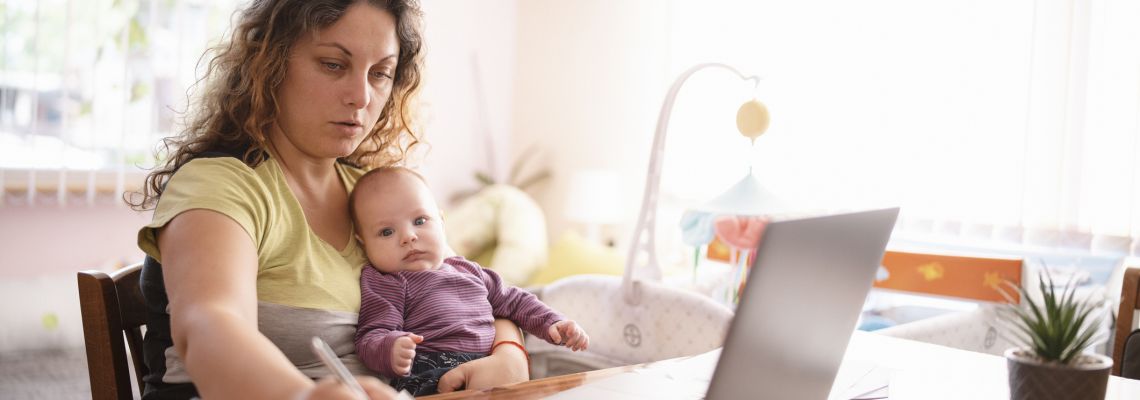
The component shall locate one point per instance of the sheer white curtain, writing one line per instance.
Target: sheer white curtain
(1009, 121)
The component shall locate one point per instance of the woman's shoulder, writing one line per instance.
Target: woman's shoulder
(224, 184)
(225, 173)
(217, 167)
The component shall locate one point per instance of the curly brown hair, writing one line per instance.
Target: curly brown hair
(238, 105)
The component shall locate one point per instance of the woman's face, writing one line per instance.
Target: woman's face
(336, 83)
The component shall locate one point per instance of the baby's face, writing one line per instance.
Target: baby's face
(399, 224)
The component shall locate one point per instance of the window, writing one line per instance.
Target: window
(87, 88)
(1009, 121)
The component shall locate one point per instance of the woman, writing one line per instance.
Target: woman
(252, 226)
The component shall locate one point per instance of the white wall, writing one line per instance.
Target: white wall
(459, 121)
(585, 70)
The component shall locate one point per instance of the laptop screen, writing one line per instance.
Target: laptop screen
(800, 305)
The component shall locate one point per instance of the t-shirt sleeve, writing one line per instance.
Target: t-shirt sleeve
(225, 185)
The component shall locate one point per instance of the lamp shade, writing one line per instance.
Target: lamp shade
(593, 197)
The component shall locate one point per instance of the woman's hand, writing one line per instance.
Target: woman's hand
(507, 365)
(329, 388)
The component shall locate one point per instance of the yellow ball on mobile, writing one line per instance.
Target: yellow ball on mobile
(752, 119)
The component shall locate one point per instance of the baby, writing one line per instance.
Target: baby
(422, 314)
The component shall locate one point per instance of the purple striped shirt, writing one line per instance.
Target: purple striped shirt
(453, 307)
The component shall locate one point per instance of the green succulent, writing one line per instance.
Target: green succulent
(1058, 327)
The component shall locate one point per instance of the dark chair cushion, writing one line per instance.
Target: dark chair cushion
(1130, 362)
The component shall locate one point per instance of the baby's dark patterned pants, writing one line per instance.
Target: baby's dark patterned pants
(427, 368)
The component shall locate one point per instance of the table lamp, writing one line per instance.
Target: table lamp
(746, 197)
(592, 201)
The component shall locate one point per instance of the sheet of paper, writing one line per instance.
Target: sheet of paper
(872, 385)
(698, 368)
(860, 379)
(689, 378)
(850, 373)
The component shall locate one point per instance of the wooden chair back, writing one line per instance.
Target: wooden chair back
(1125, 317)
(973, 278)
(114, 315)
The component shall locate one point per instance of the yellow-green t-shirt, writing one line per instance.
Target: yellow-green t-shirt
(305, 286)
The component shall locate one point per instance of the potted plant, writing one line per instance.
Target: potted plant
(1054, 332)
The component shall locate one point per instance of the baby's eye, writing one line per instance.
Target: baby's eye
(387, 232)
(421, 221)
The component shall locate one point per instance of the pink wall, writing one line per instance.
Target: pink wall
(46, 239)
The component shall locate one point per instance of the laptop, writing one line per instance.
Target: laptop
(800, 306)
(795, 317)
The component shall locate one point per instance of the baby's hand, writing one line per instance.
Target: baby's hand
(403, 351)
(568, 333)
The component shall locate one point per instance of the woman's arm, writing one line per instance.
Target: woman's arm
(514, 363)
(210, 271)
(506, 365)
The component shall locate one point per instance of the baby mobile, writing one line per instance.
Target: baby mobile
(729, 227)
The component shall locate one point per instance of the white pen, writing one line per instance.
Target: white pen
(330, 360)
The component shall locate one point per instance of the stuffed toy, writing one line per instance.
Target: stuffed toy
(501, 228)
